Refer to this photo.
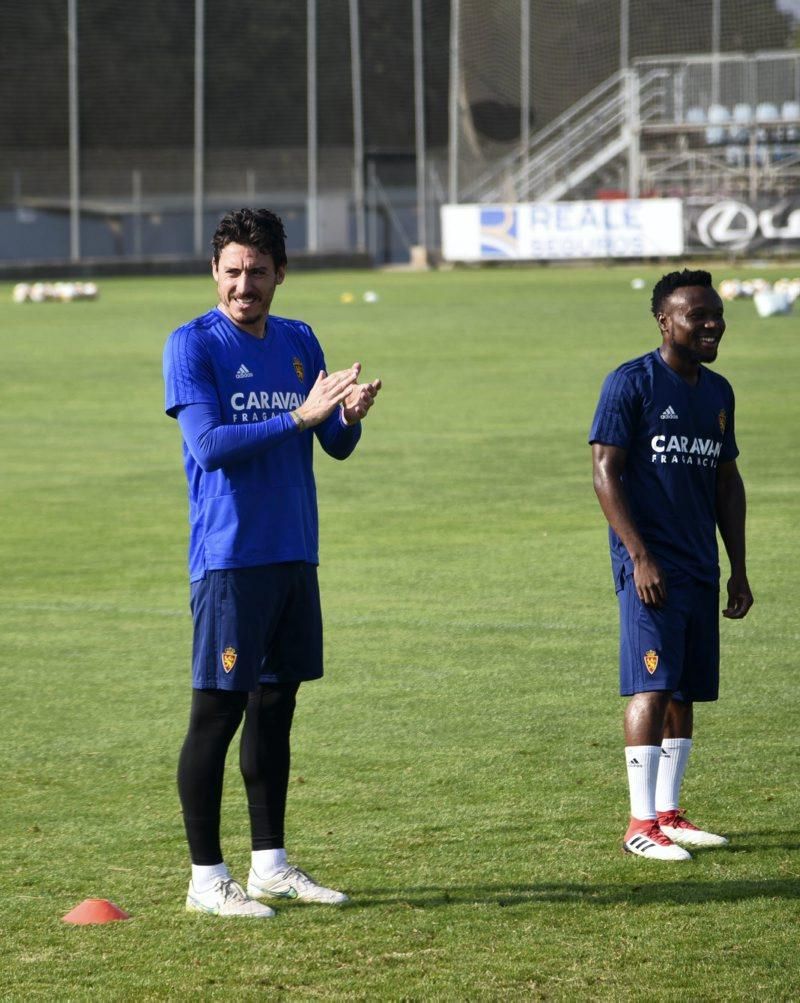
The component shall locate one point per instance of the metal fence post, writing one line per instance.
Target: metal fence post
(525, 84)
(74, 132)
(452, 117)
(136, 198)
(199, 141)
(632, 84)
(358, 128)
(419, 123)
(715, 40)
(624, 33)
(312, 222)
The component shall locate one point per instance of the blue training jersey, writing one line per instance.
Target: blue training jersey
(260, 508)
(675, 436)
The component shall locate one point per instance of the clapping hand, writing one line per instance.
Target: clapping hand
(329, 391)
(359, 400)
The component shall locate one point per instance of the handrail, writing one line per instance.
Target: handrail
(571, 145)
(541, 136)
(566, 138)
(765, 55)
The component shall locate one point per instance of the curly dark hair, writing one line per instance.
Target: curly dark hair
(667, 285)
(257, 228)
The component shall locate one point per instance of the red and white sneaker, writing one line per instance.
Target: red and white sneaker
(678, 828)
(646, 839)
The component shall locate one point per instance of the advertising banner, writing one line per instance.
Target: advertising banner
(544, 231)
(741, 225)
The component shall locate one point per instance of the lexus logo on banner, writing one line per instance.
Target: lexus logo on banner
(727, 224)
(730, 225)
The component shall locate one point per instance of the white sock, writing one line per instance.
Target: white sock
(642, 762)
(204, 875)
(671, 767)
(267, 862)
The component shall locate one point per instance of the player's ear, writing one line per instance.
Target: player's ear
(662, 322)
(214, 269)
(280, 275)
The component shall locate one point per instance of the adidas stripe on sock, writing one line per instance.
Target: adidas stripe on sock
(642, 765)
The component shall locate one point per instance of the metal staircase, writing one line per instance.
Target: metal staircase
(599, 131)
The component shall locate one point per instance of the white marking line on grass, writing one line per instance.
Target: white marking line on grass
(465, 626)
(85, 606)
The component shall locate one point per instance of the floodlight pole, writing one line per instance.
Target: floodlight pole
(312, 224)
(525, 88)
(358, 129)
(199, 141)
(74, 133)
(452, 116)
(419, 125)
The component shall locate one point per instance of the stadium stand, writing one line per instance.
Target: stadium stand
(679, 126)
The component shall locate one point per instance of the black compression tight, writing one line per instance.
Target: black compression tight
(213, 720)
(264, 761)
(264, 757)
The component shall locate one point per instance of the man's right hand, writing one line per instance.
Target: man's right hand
(326, 395)
(651, 585)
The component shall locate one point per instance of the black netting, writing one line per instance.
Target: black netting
(137, 167)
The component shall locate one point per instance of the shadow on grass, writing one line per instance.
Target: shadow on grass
(673, 893)
(761, 840)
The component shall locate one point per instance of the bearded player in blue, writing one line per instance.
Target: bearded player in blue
(250, 392)
(664, 458)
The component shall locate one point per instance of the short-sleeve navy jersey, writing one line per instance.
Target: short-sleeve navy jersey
(675, 436)
(263, 511)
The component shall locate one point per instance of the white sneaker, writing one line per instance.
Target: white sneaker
(226, 898)
(678, 828)
(292, 883)
(651, 842)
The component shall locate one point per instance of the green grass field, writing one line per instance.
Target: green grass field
(459, 771)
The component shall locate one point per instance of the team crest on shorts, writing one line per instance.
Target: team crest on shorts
(228, 659)
(722, 418)
(298, 368)
(651, 661)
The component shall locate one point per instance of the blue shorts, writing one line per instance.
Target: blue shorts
(673, 648)
(253, 625)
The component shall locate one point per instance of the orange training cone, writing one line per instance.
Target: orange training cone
(94, 911)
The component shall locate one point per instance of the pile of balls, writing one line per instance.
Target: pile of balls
(769, 298)
(54, 292)
(732, 289)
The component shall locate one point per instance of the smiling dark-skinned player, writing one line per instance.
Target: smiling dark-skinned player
(664, 463)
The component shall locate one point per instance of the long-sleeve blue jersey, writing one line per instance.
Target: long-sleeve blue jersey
(252, 496)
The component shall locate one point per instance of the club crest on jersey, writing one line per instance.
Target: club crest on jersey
(722, 418)
(228, 659)
(298, 368)
(651, 661)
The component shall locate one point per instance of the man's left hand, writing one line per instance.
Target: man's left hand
(359, 401)
(740, 598)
